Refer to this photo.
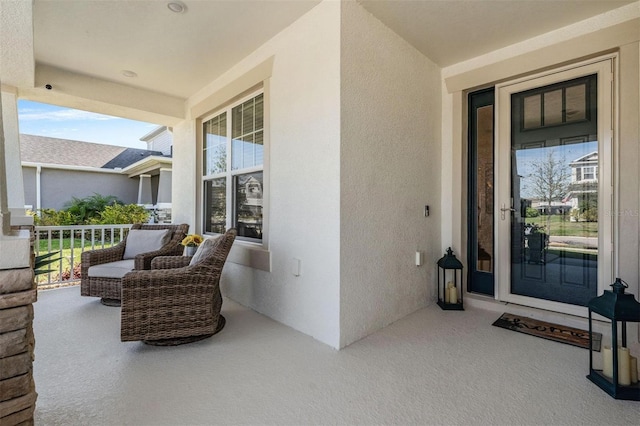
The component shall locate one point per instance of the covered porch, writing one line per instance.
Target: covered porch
(431, 367)
(365, 108)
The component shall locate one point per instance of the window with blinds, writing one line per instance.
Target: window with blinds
(233, 157)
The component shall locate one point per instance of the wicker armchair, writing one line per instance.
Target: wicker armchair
(176, 303)
(109, 288)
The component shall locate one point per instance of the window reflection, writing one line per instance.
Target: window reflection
(248, 190)
(485, 188)
(215, 145)
(215, 205)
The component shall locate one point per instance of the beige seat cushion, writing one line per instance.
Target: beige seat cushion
(145, 240)
(112, 269)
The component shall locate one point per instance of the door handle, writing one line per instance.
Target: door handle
(505, 209)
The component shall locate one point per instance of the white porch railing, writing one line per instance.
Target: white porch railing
(71, 241)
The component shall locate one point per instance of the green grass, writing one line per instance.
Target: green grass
(55, 244)
(561, 226)
(43, 247)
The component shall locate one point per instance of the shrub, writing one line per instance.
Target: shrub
(531, 212)
(588, 209)
(51, 217)
(94, 210)
(591, 214)
(122, 214)
(86, 209)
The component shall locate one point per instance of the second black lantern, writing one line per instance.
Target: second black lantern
(617, 375)
(450, 282)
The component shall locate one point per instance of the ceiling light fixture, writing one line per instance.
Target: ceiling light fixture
(128, 73)
(177, 7)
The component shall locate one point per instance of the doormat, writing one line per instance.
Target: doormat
(550, 331)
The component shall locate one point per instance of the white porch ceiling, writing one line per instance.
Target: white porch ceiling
(175, 55)
(452, 31)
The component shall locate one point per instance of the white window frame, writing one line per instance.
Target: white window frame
(229, 174)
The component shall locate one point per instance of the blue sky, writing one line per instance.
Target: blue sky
(65, 123)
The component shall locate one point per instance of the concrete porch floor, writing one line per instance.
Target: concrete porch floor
(432, 367)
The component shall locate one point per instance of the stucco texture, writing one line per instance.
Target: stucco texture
(390, 169)
(302, 175)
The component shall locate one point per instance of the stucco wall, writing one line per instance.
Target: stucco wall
(629, 172)
(59, 186)
(303, 172)
(184, 175)
(390, 169)
(363, 132)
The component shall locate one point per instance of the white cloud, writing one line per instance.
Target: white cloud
(62, 115)
(60, 131)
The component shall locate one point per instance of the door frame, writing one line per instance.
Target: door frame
(605, 67)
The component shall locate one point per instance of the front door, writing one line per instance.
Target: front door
(554, 155)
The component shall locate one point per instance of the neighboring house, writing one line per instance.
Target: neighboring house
(56, 170)
(583, 190)
(585, 169)
(353, 116)
(159, 170)
(159, 139)
(555, 207)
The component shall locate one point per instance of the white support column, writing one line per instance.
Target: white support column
(164, 189)
(145, 197)
(15, 191)
(14, 245)
(5, 214)
(163, 202)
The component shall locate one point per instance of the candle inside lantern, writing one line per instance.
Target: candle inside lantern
(634, 369)
(607, 361)
(453, 295)
(447, 293)
(624, 367)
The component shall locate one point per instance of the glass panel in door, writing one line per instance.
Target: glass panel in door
(481, 194)
(554, 192)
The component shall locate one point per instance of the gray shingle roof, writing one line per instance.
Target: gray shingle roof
(41, 149)
(128, 157)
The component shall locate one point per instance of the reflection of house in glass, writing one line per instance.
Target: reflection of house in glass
(248, 196)
(554, 207)
(583, 190)
(215, 202)
(253, 191)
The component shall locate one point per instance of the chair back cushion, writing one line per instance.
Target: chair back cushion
(112, 269)
(145, 240)
(207, 247)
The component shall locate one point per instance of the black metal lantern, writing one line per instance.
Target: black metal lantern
(616, 377)
(450, 282)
